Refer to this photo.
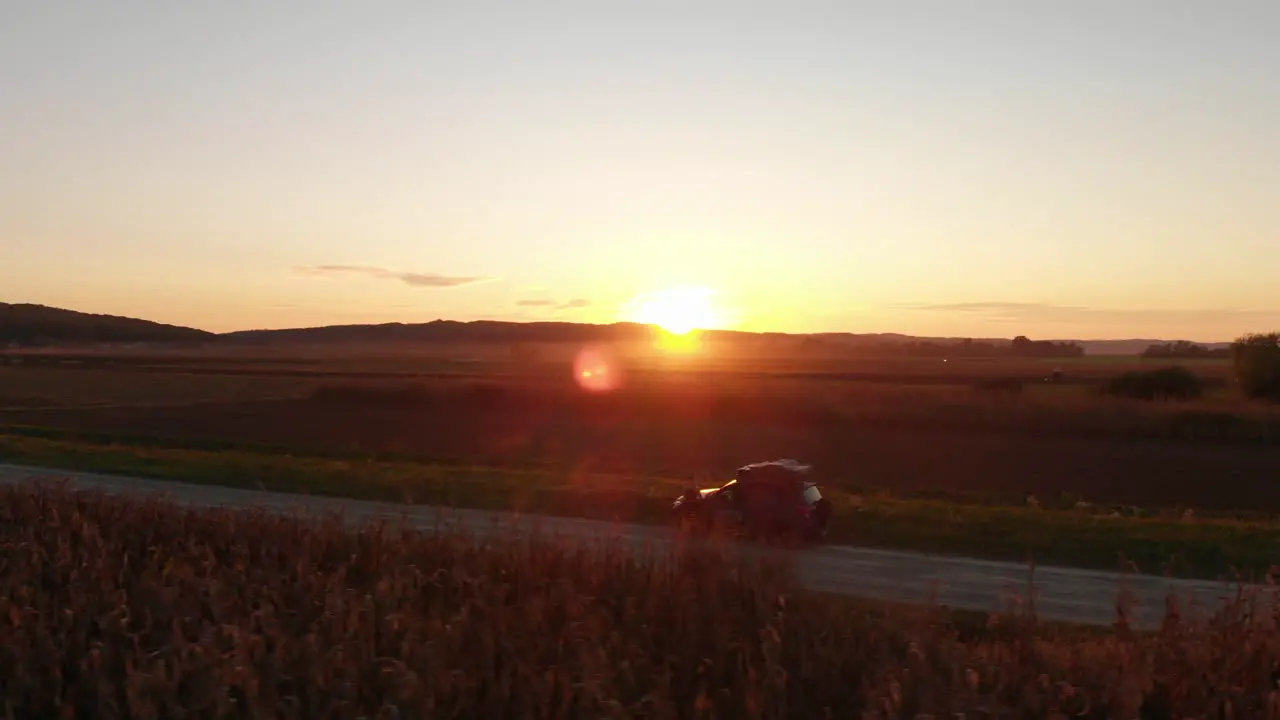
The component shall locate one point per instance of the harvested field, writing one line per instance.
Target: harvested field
(552, 357)
(53, 387)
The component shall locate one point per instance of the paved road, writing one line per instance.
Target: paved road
(1062, 594)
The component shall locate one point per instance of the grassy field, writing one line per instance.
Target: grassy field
(148, 610)
(1056, 531)
(914, 452)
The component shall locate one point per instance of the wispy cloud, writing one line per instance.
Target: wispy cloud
(990, 307)
(434, 280)
(573, 304)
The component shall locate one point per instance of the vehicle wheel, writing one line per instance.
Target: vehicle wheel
(815, 537)
(722, 528)
(783, 536)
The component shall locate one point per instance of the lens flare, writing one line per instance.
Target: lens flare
(595, 369)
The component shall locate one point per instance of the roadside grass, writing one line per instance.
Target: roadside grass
(1200, 547)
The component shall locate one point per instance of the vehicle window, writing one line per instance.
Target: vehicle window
(811, 494)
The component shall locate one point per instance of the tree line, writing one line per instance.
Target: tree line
(1256, 358)
(1183, 350)
(1021, 347)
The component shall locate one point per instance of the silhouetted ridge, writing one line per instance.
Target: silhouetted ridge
(26, 324)
(448, 331)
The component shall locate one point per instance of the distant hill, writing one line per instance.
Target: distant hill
(479, 331)
(28, 325)
(486, 331)
(42, 325)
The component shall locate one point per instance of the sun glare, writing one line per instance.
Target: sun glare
(678, 310)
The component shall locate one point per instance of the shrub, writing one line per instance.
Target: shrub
(1257, 364)
(1171, 383)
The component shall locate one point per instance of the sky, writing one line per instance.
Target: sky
(1056, 169)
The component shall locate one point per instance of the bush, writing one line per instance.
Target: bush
(1257, 364)
(1171, 383)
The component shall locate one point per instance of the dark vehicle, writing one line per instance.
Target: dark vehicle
(764, 501)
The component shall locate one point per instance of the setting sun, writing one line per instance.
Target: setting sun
(678, 310)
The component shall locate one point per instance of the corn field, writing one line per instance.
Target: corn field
(125, 608)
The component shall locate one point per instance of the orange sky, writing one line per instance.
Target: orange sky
(1079, 170)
